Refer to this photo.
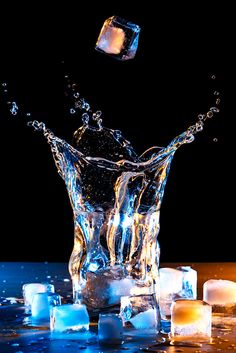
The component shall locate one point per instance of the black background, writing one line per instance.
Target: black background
(151, 98)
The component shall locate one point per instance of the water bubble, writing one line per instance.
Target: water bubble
(214, 109)
(72, 111)
(218, 101)
(213, 77)
(4, 84)
(216, 93)
(210, 114)
(28, 114)
(215, 139)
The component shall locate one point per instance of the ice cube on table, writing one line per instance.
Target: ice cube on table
(110, 329)
(140, 311)
(145, 320)
(118, 38)
(42, 303)
(175, 284)
(219, 292)
(30, 289)
(69, 317)
(221, 295)
(191, 320)
(40, 308)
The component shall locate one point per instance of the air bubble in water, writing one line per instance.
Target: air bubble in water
(213, 77)
(215, 139)
(4, 84)
(216, 93)
(72, 111)
(218, 101)
(210, 114)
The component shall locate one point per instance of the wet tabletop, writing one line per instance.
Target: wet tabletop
(17, 335)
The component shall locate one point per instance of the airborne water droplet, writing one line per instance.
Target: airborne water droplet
(72, 111)
(4, 84)
(216, 93)
(210, 114)
(214, 109)
(213, 77)
(215, 139)
(218, 101)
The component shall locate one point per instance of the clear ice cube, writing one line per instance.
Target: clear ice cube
(175, 284)
(30, 289)
(118, 38)
(190, 321)
(40, 309)
(110, 328)
(69, 317)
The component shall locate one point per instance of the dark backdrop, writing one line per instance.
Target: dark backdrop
(151, 98)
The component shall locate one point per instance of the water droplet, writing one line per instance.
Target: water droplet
(214, 109)
(85, 119)
(28, 114)
(4, 84)
(216, 93)
(201, 116)
(210, 114)
(215, 139)
(213, 77)
(85, 106)
(218, 101)
(14, 108)
(72, 111)
(76, 94)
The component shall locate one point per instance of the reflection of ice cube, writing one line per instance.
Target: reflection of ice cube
(69, 317)
(118, 38)
(145, 320)
(30, 289)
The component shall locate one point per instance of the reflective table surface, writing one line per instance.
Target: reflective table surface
(19, 335)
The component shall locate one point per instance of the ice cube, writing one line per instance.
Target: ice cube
(69, 317)
(190, 320)
(40, 308)
(145, 320)
(30, 289)
(110, 328)
(219, 292)
(175, 284)
(118, 38)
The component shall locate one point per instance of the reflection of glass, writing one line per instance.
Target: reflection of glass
(190, 320)
(140, 312)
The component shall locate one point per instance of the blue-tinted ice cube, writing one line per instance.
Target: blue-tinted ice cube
(40, 308)
(110, 328)
(118, 38)
(69, 317)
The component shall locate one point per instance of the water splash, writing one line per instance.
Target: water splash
(116, 197)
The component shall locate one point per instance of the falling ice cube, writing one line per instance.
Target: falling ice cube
(118, 38)
(69, 317)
